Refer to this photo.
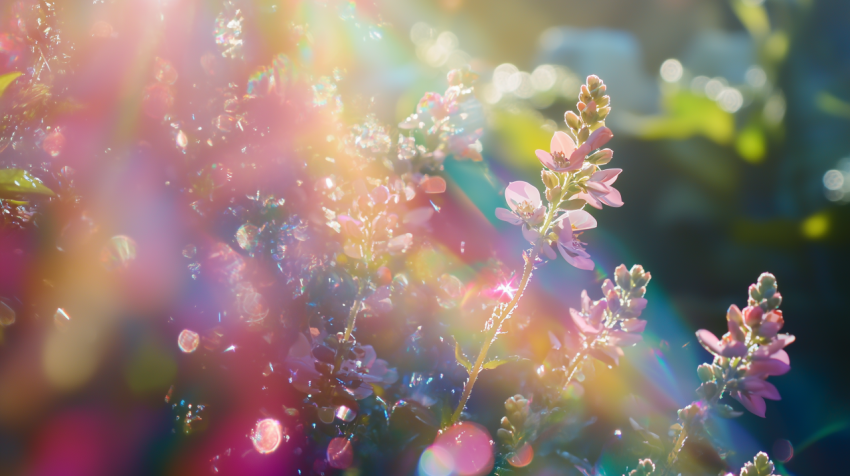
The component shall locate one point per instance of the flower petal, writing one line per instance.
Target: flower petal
(759, 368)
(548, 251)
(753, 403)
(530, 234)
(561, 142)
(607, 176)
(612, 198)
(518, 192)
(599, 137)
(580, 262)
(581, 220)
(546, 159)
(709, 341)
(583, 325)
(506, 215)
(760, 387)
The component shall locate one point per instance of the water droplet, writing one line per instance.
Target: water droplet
(225, 122)
(326, 414)
(340, 453)
(190, 251)
(375, 33)
(188, 341)
(522, 457)
(118, 253)
(7, 315)
(181, 139)
(461, 449)
(267, 436)
(783, 450)
(433, 185)
(345, 414)
(228, 31)
(247, 236)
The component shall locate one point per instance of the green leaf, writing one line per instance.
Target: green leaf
(499, 362)
(573, 204)
(6, 80)
(687, 115)
(461, 358)
(15, 183)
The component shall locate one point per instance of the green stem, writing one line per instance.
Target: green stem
(352, 318)
(491, 336)
(505, 313)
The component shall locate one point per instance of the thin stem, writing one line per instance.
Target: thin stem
(352, 317)
(491, 336)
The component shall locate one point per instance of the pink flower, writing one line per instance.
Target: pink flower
(600, 191)
(726, 347)
(752, 392)
(570, 248)
(525, 203)
(526, 209)
(565, 157)
(589, 319)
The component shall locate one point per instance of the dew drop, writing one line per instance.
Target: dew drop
(267, 435)
(119, 252)
(188, 341)
(340, 453)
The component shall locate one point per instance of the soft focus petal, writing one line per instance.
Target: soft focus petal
(518, 192)
(607, 176)
(634, 325)
(759, 368)
(506, 215)
(760, 387)
(599, 137)
(530, 234)
(546, 159)
(548, 251)
(580, 262)
(581, 220)
(709, 341)
(732, 348)
(583, 326)
(612, 198)
(624, 339)
(561, 142)
(753, 403)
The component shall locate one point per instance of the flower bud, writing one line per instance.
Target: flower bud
(752, 315)
(505, 435)
(755, 295)
(733, 314)
(506, 423)
(600, 157)
(602, 113)
(622, 277)
(705, 373)
(572, 120)
(774, 301)
(593, 82)
(549, 178)
(708, 390)
(582, 135)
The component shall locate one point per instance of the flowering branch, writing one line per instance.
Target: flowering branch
(573, 178)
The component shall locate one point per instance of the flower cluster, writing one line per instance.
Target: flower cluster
(573, 178)
(751, 351)
(602, 328)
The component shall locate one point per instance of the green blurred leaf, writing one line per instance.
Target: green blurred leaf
(15, 183)
(6, 80)
(520, 133)
(753, 16)
(832, 105)
(687, 115)
(751, 144)
(461, 358)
